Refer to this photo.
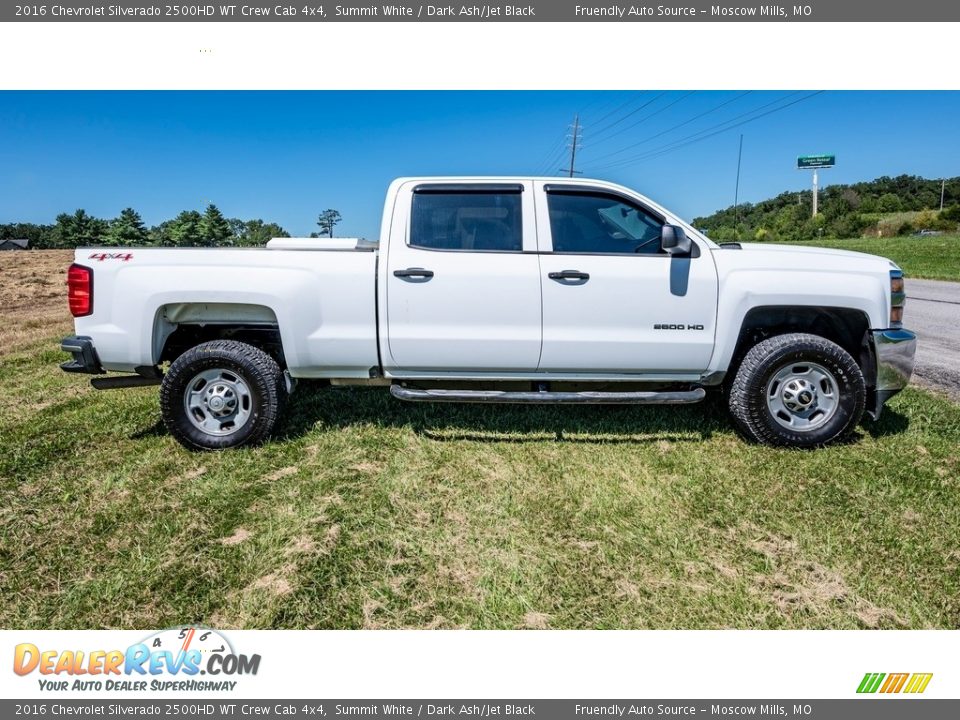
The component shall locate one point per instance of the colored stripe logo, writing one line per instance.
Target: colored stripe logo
(913, 683)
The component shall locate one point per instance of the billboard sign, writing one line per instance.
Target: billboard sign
(808, 162)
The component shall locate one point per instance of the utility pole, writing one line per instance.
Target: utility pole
(943, 185)
(574, 141)
(736, 194)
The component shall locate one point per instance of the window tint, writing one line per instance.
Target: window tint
(600, 223)
(467, 221)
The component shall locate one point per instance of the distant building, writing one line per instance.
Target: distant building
(14, 244)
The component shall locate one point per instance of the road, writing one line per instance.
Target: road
(933, 313)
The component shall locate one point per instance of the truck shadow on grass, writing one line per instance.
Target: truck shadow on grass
(343, 407)
(317, 407)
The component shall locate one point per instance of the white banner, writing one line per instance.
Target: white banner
(484, 664)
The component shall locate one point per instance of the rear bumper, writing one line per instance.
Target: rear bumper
(85, 358)
(894, 351)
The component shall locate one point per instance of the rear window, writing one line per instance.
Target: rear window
(470, 221)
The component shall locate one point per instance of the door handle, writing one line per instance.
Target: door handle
(569, 275)
(413, 273)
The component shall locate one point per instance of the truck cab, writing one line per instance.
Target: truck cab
(555, 278)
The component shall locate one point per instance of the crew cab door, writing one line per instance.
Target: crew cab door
(613, 302)
(463, 279)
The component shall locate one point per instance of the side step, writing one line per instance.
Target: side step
(680, 397)
(124, 381)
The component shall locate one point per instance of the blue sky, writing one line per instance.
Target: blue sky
(285, 156)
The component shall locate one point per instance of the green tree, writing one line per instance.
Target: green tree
(160, 234)
(214, 228)
(889, 202)
(127, 229)
(237, 230)
(327, 220)
(951, 213)
(185, 229)
(38, 235)
(257, 232)
(845, 210)
(77, 230)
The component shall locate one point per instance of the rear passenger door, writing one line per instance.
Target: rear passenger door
(463, 279)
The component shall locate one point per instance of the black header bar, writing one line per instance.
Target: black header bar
(534, 11)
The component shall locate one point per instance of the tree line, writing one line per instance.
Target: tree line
(190, 228)
(884, 207)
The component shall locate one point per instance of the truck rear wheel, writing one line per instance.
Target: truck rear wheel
(797, 390)
(222, 394)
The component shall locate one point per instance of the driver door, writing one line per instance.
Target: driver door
(612, 301)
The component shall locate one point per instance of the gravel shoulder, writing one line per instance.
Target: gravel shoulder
(933, 312)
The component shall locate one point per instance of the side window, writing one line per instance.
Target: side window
(467, 221)
(601, 223)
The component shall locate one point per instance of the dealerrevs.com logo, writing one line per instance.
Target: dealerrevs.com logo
(179, 659)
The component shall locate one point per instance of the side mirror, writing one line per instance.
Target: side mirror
(674, 241)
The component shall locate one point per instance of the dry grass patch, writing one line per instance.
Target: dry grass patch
(239, 536)
(35, 298)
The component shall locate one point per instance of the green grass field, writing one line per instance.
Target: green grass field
(933, 258)
(366, 512)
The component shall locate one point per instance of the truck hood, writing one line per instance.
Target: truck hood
(805, 250)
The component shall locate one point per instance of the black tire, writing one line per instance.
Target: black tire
(257, 383)
(755, 381)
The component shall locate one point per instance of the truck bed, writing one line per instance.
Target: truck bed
(321, 296)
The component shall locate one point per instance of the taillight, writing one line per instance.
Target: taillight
(80, 290)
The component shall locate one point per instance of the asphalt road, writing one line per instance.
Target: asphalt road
(933, 313)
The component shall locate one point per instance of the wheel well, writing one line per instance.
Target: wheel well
(180, 326)
(844, 326)
(183, 337)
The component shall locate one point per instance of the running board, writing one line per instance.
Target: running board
(124, 381)
(680, 397)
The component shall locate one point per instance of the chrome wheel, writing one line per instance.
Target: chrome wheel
(218, 401)
(802, 396)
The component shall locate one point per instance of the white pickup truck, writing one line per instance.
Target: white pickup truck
(500, 289)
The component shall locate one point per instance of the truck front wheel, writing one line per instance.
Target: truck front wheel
(797, 390)
(222, 394)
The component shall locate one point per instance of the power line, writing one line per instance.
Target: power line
(705, 134)
(728, 124)
(603, 102)
(619, 108)
(553, 155)
(558, 149)
(675, 127)
(646, 117)
(610, 126)
(739, 124)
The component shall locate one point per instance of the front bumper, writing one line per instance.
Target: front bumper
(894, 351)
(85, 358)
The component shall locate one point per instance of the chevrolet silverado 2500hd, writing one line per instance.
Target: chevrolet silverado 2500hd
(515, 290)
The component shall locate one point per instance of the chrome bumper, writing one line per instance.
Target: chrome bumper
(894, 351)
